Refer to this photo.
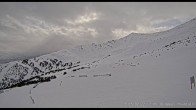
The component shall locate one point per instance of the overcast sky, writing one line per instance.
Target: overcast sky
(38, 28)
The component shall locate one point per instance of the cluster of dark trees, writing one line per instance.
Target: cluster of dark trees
(33, 80)
(54, 71)
(79, 68)
(109, 43)
(10, 82)
(187, 40)
(14, 75)
(48, 65)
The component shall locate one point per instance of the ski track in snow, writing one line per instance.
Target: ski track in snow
(30, 93)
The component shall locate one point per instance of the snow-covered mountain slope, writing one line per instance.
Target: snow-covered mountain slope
(139, 70)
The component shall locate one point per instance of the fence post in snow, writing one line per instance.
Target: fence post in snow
(192, 81)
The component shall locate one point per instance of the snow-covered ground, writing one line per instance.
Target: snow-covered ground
(139, 70)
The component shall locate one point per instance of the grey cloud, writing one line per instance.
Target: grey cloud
(35, 28)
(53, 43)
(169, 23)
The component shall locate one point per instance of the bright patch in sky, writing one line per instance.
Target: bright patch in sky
(83, 19)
